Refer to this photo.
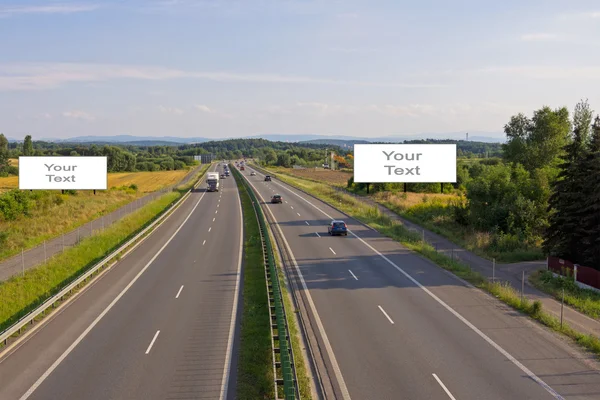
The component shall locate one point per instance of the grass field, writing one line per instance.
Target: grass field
(145, 181)
(56, 214)
(337, 178)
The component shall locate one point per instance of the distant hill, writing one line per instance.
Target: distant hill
(132, 139)
(345, 144)
(141, 143)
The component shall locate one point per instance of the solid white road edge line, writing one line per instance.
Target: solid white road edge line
(152, 342)
(443, 386)
(106, 310)
(353, 274)
(386, 315)
(505, 353)
(228, 356)
(313, 308)
(179, 292)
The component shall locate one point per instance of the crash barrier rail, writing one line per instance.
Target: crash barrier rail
(285, 367)
(42, 253)
(40, 311)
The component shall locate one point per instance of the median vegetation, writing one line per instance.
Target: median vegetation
(255, 367)
(22, 294)
(372, 217)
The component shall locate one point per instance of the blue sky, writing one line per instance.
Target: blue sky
(222, 68)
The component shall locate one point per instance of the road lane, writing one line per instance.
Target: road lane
(187, 358)
(435, 334)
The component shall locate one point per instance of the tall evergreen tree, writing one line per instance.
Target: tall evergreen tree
(28, 146)
(3, 154)
(565, 234)
(590, 213)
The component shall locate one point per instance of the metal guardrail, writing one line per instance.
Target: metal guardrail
(277, 310)
(51, 302)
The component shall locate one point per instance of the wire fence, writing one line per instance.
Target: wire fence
(40, 254)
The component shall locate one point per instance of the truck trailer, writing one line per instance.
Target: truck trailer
(212, 181)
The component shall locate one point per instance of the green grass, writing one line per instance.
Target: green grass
(585, 300)
(255, 368)
(300, 364)
(372, 217)
(23, 293)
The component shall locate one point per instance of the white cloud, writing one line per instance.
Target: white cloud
(170, 110)
(411, 110)
(203, 108)
(47, 9)
(35, 76)
(540, 37)
(77, 114)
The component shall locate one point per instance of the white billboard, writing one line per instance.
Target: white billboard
(58, 173)
(405, 163)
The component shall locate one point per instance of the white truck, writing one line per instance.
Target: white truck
(212, 181)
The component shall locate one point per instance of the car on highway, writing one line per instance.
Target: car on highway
(276, 198)
(222, 176)
(252, 173)
(337, 227)
(268, 178)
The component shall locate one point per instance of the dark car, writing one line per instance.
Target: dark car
(268, 178)
(276, 198)
(337, 228)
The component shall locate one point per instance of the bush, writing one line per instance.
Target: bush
(71, 192)
(133, 186)
(14, 204)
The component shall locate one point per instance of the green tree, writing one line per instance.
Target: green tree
(28, 146)
(565, 234)
(538, 142)
(3, 155)
(590, 213)
(284, 160)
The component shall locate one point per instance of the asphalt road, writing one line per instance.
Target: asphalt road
(159, 325)
(400, 327)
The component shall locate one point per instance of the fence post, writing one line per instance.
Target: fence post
(562, 306)
(523, 286)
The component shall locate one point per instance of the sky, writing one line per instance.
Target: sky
(234, 68)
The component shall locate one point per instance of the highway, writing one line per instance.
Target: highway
(158, 325)
(395, 326)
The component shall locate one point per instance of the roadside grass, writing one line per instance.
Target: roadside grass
(372, 217)
(22, 294)
(585, 300)
(54, 214)
(435, 213)
(300, 363)
(255, 367)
